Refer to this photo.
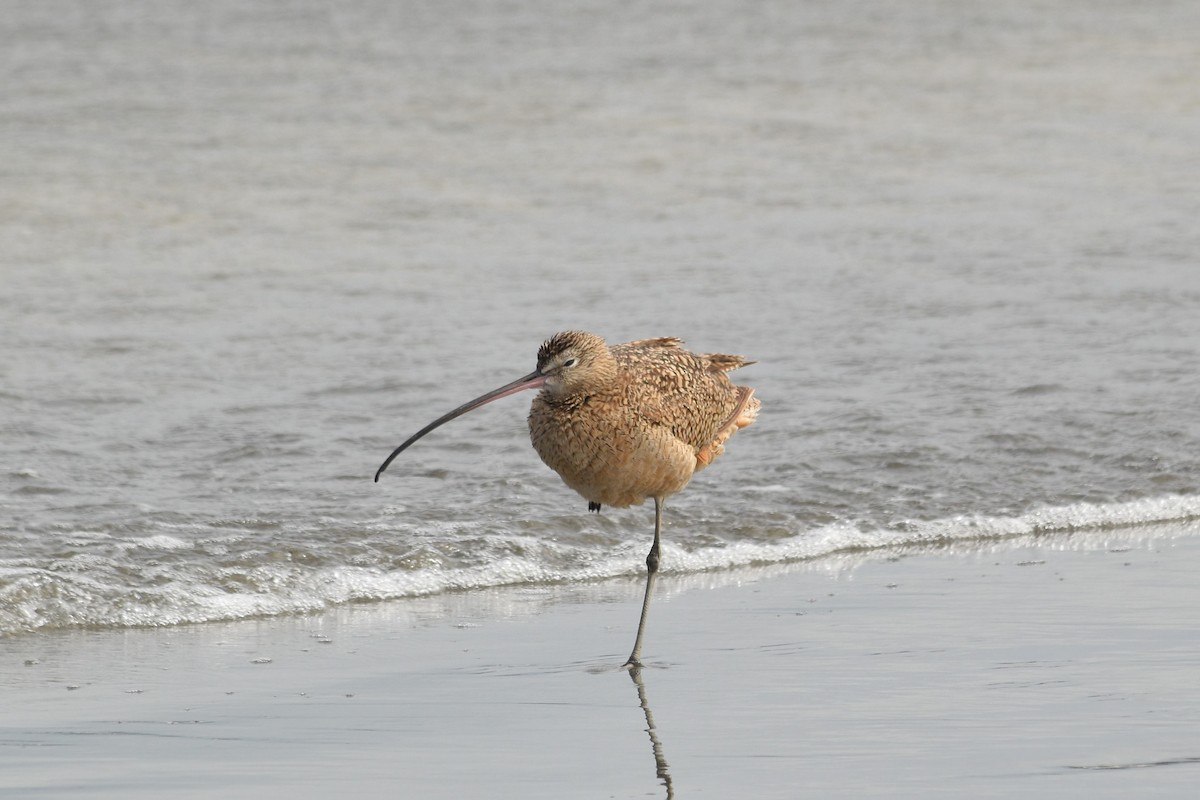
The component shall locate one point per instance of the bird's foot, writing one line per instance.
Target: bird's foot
(593, 506)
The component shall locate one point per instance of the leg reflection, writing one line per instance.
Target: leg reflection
(660, 763)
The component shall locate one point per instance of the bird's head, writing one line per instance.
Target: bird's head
(569, 363)
(574, 361)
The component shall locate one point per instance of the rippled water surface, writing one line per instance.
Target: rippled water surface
(249, 249)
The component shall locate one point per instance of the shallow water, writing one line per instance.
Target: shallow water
(248, 251)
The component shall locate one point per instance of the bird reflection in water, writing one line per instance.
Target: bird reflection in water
(660, 761)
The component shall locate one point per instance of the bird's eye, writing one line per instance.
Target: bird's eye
(570, 362)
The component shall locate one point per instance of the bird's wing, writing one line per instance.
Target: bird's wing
(688, 393)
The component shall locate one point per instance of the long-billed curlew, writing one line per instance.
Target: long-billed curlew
(623, 423)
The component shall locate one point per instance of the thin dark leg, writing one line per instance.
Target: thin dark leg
(635, 658)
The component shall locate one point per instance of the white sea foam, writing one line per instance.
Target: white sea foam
(159, 542)
(65, 595)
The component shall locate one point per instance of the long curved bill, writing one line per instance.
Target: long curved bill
(533, 380)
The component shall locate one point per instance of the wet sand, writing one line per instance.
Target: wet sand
(1060, 666)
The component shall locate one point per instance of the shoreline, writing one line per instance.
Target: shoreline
(1056, 665)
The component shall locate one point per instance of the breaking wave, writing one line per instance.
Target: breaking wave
(150, 581)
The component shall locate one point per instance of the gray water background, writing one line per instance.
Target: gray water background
(246, 249)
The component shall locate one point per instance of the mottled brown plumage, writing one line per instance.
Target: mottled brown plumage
(636, 420)
(624, 423)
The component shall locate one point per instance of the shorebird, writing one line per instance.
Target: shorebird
(625, 423)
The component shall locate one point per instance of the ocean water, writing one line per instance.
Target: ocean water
(245, 250)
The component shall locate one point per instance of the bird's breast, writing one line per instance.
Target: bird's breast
(607, 453)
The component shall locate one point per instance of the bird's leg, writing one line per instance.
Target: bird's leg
(635, 658)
